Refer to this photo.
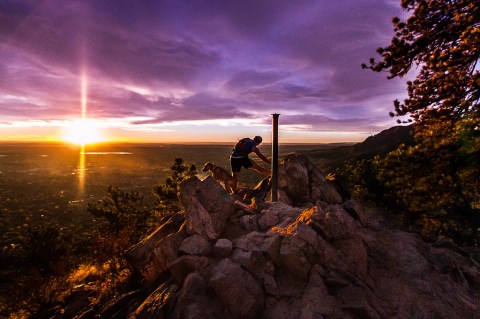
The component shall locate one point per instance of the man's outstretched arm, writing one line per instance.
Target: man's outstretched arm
(260, 155)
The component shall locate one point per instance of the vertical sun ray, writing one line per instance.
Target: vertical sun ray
(84, 94)
(81, 164)
(81, 171)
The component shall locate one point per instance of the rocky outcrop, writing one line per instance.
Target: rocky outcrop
(310, 255)
(207, 206)
(300, 183)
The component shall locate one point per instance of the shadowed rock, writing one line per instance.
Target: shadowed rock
(237, 289)
(138, 255)
(164, 253)
(195, 245)
(197, 300)
(300, 183)
(222, 248)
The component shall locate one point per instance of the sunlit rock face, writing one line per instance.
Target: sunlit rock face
(310, 255)
(207, 206)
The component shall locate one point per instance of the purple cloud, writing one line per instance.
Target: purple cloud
(170, 61)
(322, 123)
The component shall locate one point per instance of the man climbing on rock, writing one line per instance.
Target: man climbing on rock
(239, 158)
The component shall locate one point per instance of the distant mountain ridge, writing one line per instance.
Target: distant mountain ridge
(384, 142)
(331, 157)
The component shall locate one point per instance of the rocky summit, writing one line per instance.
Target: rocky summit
(312, 254)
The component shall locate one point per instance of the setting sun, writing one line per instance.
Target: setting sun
(83, 132)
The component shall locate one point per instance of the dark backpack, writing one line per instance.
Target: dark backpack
(240, 146)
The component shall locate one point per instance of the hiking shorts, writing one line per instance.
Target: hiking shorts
(238, 162)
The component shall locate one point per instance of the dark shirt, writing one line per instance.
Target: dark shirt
(247, 149)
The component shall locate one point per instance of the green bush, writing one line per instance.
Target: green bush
(167, 194)
(119, 210)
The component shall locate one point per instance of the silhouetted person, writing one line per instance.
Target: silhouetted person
(239, 158)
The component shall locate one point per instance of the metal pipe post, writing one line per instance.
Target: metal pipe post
(274, 156)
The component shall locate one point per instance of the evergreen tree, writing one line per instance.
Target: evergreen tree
(443, 38)
(122, 210)
(167, 194)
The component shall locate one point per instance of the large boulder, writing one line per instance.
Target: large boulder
(207, 206)
(237, 289)
(301, 183)
(293, 179)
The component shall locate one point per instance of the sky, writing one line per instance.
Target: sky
(195, 71)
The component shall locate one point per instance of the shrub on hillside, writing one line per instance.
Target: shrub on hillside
(167, 194)
(432, 188)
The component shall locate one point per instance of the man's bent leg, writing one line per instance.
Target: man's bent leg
(235, 181)
(235, 165)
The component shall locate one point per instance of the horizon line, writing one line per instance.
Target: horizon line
(162, 143)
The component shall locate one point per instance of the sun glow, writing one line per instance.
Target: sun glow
(83, 132)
